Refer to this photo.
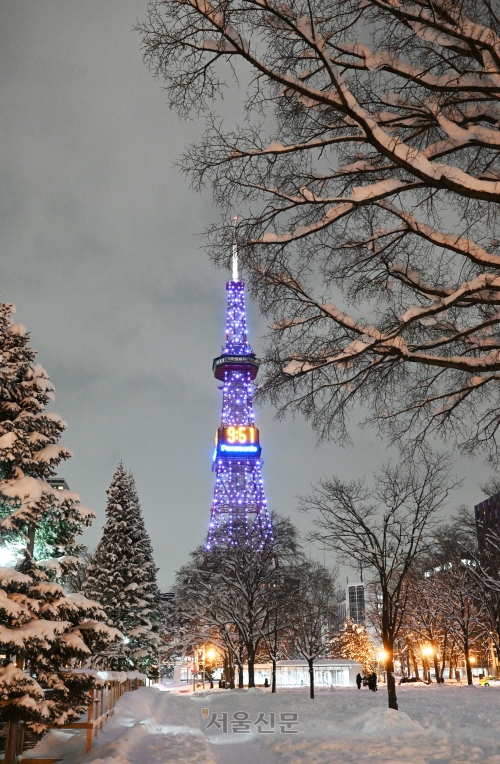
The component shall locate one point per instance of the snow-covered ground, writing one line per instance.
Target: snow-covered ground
(436, 724)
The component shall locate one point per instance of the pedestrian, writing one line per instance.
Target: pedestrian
(266, 682)
(373, 682)
(358, 681)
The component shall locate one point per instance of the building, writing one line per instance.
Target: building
(239, 498)
(487, 513)
(167, 600)
(339, 672)
(58, 482)
(351, 604)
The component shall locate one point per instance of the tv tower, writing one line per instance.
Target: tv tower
(239, 499)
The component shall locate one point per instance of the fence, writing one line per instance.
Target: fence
(101, 708)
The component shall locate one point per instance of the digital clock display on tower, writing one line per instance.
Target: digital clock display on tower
(237, 440)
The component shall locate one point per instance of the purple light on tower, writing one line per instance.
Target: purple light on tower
(239, 498)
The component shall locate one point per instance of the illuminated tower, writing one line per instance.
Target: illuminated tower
(239, 499)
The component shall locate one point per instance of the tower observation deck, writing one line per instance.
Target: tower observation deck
(239, 499)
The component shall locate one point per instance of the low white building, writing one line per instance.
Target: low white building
(338, 672)
(295, 673)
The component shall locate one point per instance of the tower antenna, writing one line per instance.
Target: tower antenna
(235, 250)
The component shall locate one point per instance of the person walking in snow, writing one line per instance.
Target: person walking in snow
(358, 681)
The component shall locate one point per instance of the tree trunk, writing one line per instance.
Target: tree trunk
(230, 672)
(436, 667)
(391, 681)
(240, 676)
(31, 538)
(468, 667)
(11, 743)
(452, 664)
(388, 643)
(273, 679)
(311, 678)
(425, 669)
(251, 669)
(443, 662)
(415, 665)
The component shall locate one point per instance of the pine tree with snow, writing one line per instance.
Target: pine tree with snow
(354, 643)
(44, 632)
(122, 576)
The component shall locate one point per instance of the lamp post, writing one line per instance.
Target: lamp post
(382, 658)
(427, 652)
(211, 653)
(194, 671)
(472, 661)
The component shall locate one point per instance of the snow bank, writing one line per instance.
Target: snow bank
(121, 676)
(450, 724)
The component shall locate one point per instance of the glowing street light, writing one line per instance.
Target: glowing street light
(427, 652)
(211, 654)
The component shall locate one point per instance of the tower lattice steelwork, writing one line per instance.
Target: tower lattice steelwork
(239, 499)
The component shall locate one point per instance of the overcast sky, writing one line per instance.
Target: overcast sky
(101, 255)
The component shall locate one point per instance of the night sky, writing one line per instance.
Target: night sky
(101, 254)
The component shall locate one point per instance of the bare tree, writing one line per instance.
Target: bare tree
(227, 592)
(385, 527)
(424, 616)
(367, 162)
(481, 544)
(313, 614)
(462, 607)
(281, 596)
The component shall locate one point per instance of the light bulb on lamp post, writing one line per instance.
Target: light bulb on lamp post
(211, 654)
(382, 656)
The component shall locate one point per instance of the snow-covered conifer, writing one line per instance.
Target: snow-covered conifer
(45, 630)
(122, 576)
(354, 643)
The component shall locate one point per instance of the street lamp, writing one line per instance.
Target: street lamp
(211, 653)
(427, 651)
(382, 656)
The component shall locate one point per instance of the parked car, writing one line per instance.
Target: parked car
(488, 681)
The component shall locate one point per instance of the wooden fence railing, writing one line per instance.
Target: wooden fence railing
(101, 708)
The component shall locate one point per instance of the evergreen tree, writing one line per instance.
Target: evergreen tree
(45, 631)
(122, 576)
(354, 643)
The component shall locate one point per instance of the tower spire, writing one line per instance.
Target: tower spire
(235, 250)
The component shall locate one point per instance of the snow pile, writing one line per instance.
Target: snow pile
(121, 676)
(449, 724)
